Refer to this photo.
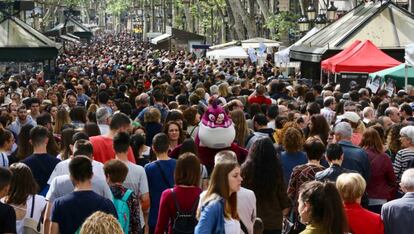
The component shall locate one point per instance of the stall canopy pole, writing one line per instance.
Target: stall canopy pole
(406, 77)
(321, 77)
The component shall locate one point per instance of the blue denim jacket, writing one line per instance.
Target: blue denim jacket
(211, 218)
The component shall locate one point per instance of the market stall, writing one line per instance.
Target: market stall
(235, 52)
(396, 73)
(360, 57)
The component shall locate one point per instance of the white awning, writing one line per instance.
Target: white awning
(68, 38)
(235, 52)
(160, 39)
(255, 43)
(221, 46)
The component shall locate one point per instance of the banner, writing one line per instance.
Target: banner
(409, 55)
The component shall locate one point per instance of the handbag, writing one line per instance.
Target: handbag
(287, 226)
(30, 225)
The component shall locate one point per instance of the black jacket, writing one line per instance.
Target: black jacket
(331, 173)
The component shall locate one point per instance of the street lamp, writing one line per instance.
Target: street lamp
(226, 17)
(159, 22)
(311, 12)
(331, 12)
(183, 18)
(303, 24)
(226, 21)
(321, 20)
(169, 18)
(258, 20)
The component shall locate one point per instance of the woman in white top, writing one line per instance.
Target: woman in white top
(218, 213)
(6, 144)
(22, 194)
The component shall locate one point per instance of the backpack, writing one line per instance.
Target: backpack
(31, 226)
(122, 210)
(184, 222)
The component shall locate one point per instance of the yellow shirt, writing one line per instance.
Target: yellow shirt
(314, 229)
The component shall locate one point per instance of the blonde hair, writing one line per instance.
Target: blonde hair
(100, 222)
(224, 89)
(351, 186)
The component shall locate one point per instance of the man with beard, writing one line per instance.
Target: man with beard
(22, 119)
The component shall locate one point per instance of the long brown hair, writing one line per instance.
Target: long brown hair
(187, 170)
(24, 148)
(167, 126)
(393, 137)
(372, 140)
(22, 184)
(326, 206)
(320, 127)
(219, 185)
(240, 125)
(62, 118)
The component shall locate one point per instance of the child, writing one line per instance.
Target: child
(116, 172)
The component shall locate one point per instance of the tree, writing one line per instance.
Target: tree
(283, 23)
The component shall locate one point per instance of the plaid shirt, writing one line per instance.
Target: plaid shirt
(328, 114)
(300, 175)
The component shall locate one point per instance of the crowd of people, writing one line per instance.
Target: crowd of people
(110, 144)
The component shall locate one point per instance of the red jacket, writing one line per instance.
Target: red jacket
(362, 221)
(260, 100)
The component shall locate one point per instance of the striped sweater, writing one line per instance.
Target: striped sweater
(402, 159)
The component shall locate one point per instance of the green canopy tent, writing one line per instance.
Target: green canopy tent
(396, 73)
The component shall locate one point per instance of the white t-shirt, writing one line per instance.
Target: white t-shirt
(62, 168)
(232, 226)
(39, 206)
(246, 207)
(62, 185)
(137, 181)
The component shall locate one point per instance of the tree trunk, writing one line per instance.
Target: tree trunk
(238, 26)
(266, 13)
(239, 11)
(188, 18)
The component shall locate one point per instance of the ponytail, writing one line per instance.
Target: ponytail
(334, 218)
(326, 206)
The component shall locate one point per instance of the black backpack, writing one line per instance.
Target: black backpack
(184, 222)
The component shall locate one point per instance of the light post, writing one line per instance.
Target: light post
(303, 23)
(226, 22)
(146, 24)
(311, 12)
(183, 19)
(331, 12)
(311, 19)
(159, 22)
(258, 20)
(169, 19)
(321, 20)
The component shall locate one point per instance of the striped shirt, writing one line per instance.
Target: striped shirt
(402, 159)
(4, 160)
